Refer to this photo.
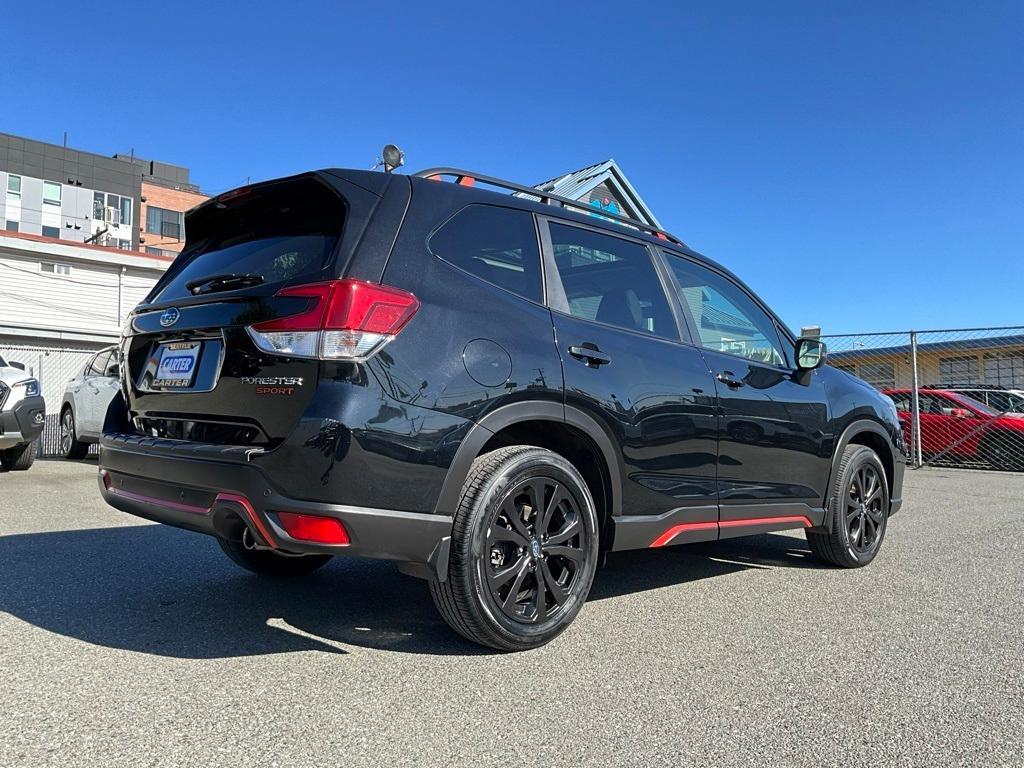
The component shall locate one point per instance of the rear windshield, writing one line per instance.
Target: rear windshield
(281, 233)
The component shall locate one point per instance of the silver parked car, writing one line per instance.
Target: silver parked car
(85, 402)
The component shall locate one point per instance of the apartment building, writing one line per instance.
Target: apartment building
(82, 238)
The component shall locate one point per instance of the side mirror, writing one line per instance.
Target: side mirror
(960, 413)
(810, 353)
(19, 366)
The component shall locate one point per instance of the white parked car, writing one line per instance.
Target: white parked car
(85, 402)
(22, 416)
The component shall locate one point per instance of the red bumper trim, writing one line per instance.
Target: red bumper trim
(675, 530)
(250, 513)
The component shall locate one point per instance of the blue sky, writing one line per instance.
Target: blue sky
(861, 165)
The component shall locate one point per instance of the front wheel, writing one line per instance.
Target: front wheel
(1004, 452)
(18, 458)
(524, 550)
(267, 562)
(861, 513)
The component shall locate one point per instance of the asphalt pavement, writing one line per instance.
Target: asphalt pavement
(125, 643)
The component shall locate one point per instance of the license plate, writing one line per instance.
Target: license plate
(176, 364)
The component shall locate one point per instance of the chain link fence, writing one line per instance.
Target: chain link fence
(54, 366)
(959, 392)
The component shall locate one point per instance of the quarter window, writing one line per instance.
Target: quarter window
(611, 280)
(496, 244)
(725, 317)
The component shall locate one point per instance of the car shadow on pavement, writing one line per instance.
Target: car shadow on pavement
(155, 589)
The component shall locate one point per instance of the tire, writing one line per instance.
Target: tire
(861, 515)
(19, 458)
(70, 446)
(266, 562)
(519, 571)
(1004, 452)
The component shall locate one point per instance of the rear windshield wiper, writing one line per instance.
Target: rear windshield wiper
(225, 282)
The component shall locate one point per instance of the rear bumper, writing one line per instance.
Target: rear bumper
(23, 422)
(220, 497)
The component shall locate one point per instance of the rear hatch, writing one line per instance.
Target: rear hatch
(193, 369)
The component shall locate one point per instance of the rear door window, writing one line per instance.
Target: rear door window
(284, 233)
(610, 280)
(496, 244)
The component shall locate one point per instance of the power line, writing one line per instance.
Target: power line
(60, 307)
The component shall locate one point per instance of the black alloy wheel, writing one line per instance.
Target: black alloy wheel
(858, 508)
(865, 518)
(535, 550)
(524, 550)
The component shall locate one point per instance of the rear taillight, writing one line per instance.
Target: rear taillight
(343, 320)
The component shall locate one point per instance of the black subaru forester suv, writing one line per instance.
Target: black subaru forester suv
(489, 385)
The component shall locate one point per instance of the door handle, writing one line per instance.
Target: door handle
(590, 354)
(726, 377)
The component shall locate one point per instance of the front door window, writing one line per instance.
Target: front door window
(725, 318)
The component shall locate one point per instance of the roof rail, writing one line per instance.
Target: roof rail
(468, 178)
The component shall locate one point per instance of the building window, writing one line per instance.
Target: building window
(112, 209)
(958, 371)
(51, 232)
(13, 186)
(53, 268)
(880, 375)
(160, 221)
(11, 226)
(1006, 370)
(850, 368)
(124, 245)
(160, 251)
(51, 193)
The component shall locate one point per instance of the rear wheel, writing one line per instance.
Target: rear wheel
(18, 458)
(861, 512)
(524, 550)
(267, 562)
(70, 446)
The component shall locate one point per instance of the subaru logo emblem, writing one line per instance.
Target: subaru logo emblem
(169, 317)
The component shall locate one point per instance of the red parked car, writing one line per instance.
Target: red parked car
(959, 426)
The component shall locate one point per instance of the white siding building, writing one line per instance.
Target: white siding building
(69, 294)
(60, 302)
